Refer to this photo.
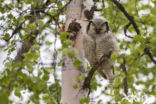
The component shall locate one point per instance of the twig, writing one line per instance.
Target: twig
(148, 52)
(136, 58)
(123, 67)
(103, 4)
(17, 29)
(125, 30)
(115, 17)
(141, 21)
(54, 63)
(130, 18)
(19, 56)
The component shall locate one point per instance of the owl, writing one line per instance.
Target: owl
(99, 41)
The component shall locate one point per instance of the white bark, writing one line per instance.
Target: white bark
(70, 95)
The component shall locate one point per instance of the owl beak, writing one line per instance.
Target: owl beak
(98, 31)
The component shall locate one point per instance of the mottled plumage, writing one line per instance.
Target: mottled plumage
(98, 41)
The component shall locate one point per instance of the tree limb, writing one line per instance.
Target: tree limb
(28, 43)
(130, 18)
(87, 80)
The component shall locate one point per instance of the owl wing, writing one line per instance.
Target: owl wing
(104, 46)
(89, 48)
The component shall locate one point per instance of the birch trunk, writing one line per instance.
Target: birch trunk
(69, 95)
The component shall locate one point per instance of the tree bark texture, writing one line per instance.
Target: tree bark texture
(69, 95)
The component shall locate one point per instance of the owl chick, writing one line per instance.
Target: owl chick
(99, 41)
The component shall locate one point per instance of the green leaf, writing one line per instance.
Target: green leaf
(4, 94)
(40, 22)
(77, 62)
(125, 102)
(10, 16)
(153, 40)
(65, 51)
(117, 97)
(67, 43)
(81, 78)
(84, 100)
(46, 96)
(53, 12)
(63, 35)
(117, 81)
(59, 4)
(49, 43)
(46, 77)
(75, 86)
(18, 92)
(114, 56)
(139, 38)
(11, 5)
(31, 56)
(71, 53)
(36, 47)
(32, 26)
(6, 36)
(99, 102)
(120, 60)
(53, 1)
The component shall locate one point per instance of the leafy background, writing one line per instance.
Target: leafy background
(36, 79)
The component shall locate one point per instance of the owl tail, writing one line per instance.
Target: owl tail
(102, 73)
(110, 74)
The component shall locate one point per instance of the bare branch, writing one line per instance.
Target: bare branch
(130, 18)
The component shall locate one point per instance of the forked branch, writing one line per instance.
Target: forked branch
(130, 18)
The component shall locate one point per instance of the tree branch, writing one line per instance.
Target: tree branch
(87, 80)
(38, 10)
(17, 29)
(125, 30)
(123, 67)
(130, 18)
(28, 43)
(148, 52)
(103, 3)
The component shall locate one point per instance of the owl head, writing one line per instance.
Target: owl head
(98, 26)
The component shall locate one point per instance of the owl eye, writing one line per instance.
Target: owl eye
(105, 23)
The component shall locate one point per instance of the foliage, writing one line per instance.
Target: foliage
(35, 20)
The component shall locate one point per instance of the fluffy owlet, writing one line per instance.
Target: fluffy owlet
(98, 41)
